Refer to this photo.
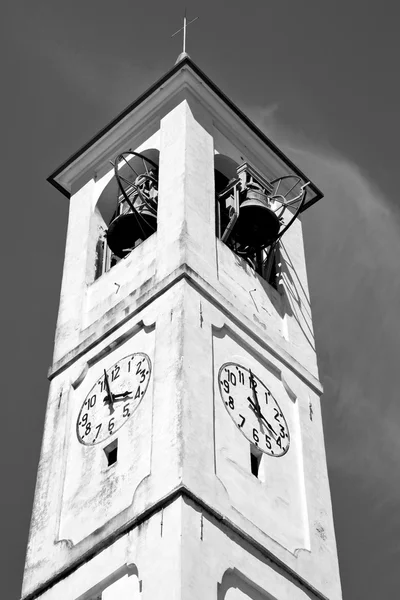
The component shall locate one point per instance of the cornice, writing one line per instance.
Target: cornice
(145, 113)
(210, 293)
(185, 493)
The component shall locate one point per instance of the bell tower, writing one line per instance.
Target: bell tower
(183, 453)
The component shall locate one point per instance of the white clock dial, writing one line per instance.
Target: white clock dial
(253, 409)
(113, 398)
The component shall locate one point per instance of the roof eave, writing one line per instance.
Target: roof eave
(187, 61)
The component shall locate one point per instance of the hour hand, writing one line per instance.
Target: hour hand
(122, 396)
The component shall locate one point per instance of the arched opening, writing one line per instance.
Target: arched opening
(128, 207)
(241, 190)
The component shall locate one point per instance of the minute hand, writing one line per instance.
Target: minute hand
(109, 392)
(268, 425)
(259, 414)
(253, 389)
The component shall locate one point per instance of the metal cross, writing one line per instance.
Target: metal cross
(185, 24)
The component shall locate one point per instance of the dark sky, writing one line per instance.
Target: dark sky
(322, 79)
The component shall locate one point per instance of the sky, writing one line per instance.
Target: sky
(321, 79)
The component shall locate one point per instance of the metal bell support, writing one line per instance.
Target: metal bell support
(139, 219)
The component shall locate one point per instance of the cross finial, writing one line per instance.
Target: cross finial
(184, 28)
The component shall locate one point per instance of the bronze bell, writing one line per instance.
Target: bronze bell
(257, 225)
(126, 230)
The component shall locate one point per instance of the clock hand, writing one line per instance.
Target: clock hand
(109, 394)
(258, 407)
(260, 416)
(121, 397)
(254, 391)
(268, 425)
(256, 404)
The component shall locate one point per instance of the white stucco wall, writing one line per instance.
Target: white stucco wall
(183, 298)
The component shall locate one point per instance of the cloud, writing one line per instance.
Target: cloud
(352, 240)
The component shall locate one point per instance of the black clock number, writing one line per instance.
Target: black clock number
(283, 434)
(252, 382)
(243, 421)
(278, 441)
(268, 442)
(255, 436)
(277, 414)
(226, 386)
(231, 403)
(88, 428)
(115, 372)
(90, 402)
(126, 412)
(98, 427)
(84, 419)
(231, 377)
(111, 425)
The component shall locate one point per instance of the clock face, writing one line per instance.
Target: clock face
(253, 409)
(113, 398)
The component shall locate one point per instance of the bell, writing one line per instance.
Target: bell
(126, 230)
(257, 225)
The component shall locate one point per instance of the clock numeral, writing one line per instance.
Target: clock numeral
(283, 434)
(137, 395)
(102, 384)
(268, 441)
(255, 436)
(143, 374)
(252, 382)
(139, 366)
(231, 403)
(277, 414)
(243, 421)
(115, 372)
(98, 427)
(278, 441)
(231, 376)
(241, 377)
(90, 402)
(267, 393)
(111, 425)
(88, 428)
(126, 412)
(226, 386)
(84, 419)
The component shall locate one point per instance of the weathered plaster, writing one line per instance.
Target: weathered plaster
(180, 514)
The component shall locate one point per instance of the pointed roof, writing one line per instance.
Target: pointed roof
(61, 177)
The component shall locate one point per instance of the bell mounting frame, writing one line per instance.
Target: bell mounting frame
(279, 199)
(135, 217)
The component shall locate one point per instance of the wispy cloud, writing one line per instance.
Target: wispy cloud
(353, 247)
